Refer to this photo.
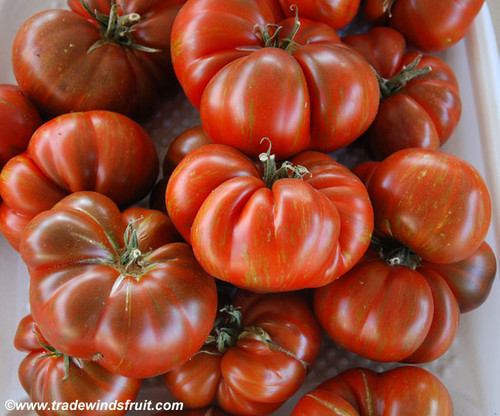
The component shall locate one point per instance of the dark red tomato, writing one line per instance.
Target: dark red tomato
(335, 13)
(435, 203)
(135, 303)
(94, 150)
(119, 60)
(428, 25)
(238, 64)
(257, 356)
(418, 108)
(49, 376)
(408, 391)
(471, 279)
(19, 119)
(276, 233)
(389, 313)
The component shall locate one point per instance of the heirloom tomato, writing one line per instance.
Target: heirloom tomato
(254, 73)
(94, 150)
(291, 228)
(434, 203)
(49, 376)
(403, 391)
(111, 287)
(256, 357)
(428, 25)
(18, 120)
(101, 55)
(420, 105)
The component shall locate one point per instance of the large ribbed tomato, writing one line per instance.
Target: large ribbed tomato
(254, 74)
(421, 103)
(112, 287)
(271, 232)
(257, 356)
(403, 391)
(117, 60)
(53, 379)
(97, 151)
(428, 25)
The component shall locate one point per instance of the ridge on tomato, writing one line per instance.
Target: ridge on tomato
(49, 376)
(114, 288)
(254, 73)
(297, 226)
(87, 151)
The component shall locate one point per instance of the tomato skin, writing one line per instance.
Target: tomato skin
(41, 377)
(219, 203)
(470, 279)
(226, 72)
(52, 65)
(435, 203)
(209, 411)
(360, 392)
(425, 111)
(356, 309)
(252, 377)
(427, 25)
(335, 13)
(93, 150)
(19, 119)
(142, 317)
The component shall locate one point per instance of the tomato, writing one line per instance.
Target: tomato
(117, 60)
(428, 25)
(471, 279)
(421, 103)
(434, 203)
(95, 150)
(271, 233)
(409, 391)
(389, 312)
(136, 303)
(19, 119)
(262, 76)
(49, 376)
(257, 356)
(335, 13)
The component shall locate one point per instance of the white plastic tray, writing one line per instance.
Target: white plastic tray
(470, 370)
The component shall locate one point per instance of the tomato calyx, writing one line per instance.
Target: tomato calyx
(393, 85)
(228, 331)
(116, 29)
(395, 253)
(271, 34)
(132, 260)
(286, 170)
(52, 352)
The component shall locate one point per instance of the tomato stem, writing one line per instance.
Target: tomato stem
(395, 253)
(286, 170)
(393, 85)
(132, 258)
(273, 40)
(116, 29)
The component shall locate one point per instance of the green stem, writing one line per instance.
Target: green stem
(286, 170)
(393, 85)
